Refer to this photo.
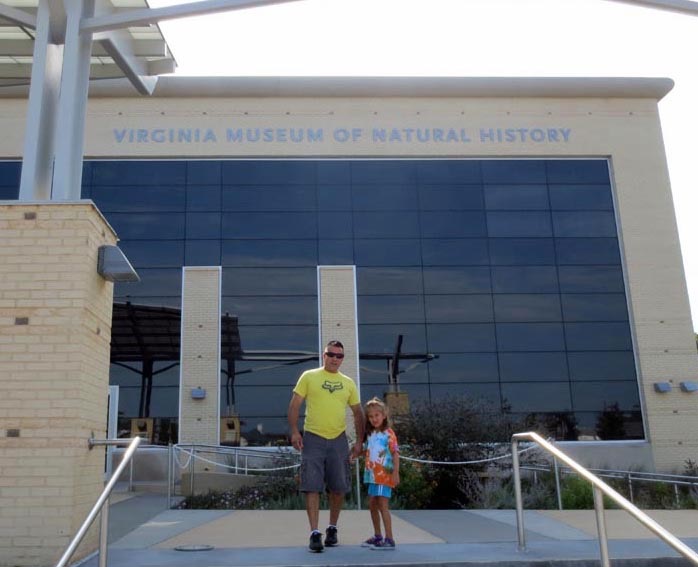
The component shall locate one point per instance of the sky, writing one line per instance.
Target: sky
(468, 38)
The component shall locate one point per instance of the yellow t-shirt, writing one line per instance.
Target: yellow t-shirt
(326, 396)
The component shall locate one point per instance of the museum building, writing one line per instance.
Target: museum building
(511, 240)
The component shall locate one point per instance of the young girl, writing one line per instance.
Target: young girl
(382, 472)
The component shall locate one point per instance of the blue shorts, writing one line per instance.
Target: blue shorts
(379, 490)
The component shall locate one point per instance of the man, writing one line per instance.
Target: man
(324, 446)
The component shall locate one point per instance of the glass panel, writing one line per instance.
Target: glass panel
(11, 193)
(204, 172)
(380, 171)
(457, 224)
(524, 223)
(588, 279)
(516, 197)
(202, 253)
(598, 336)
(587, 251)
(376, 372)
(139, 172)
(383, 338)
(457, 280)
(524, 279)
(387, 252)
(335, 225)
(154, 281)
(269, 281)
(458, 308)
(384, 197)
(384, 281)
(454, 252)
(577, 171)
(471, 367)
(268, 172)
(450, 197)
(527, 307)
(465, 337)
(610, 424)
(334, 198)
(279, 337)
(386, 224)
(115, 198)
(154, 253)
(489, 393)
(335, 252)
(595, 307)
(271, 372)
(269, 253)
(203, 225)
(599, 396)
(513, 171)
(10, 174)
(537, 396)
(390, 309)
(297, 310)
(582, 223)
(520, 337)
(204, 198)
(601, 365)
(269, 225)
(333, 172)
(449, 171)
(161, 226)
(532, 366)
(581, 197)
(522, 251)
(268, 198)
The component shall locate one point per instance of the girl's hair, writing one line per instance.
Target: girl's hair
(375, 403)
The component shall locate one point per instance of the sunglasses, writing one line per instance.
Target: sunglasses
(338, 355)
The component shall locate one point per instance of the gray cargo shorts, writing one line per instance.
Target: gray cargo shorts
(325, 464)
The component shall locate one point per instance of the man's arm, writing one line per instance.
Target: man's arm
(294, 410)
(359, 426)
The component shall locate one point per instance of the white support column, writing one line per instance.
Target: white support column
(72, 106)
(39, 136)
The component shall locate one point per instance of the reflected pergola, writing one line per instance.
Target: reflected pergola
(143, 335)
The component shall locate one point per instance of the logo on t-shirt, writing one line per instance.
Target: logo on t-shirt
(332, 386)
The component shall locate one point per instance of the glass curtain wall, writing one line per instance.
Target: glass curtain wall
(503, 278)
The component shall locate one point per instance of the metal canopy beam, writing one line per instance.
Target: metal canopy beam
(19, 17)
(154, 15)
(119, 45)
(686, 7)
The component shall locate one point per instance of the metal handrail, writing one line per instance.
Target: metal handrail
(599, 488)
(99, 505)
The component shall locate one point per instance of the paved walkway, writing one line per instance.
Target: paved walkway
(144, 533)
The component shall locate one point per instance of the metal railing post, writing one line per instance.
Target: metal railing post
(601, 527)
(192, 459)
(130, 476)
(169, 475)
(103, 533)
(358, 486)
(558, 488)
(517, 493)
(630, 488)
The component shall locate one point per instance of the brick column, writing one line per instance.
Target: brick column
(200, 351)
(338, 321)
(55, 330)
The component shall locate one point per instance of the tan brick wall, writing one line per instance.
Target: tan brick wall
(337, 301)
(55, 328)
(199, 420)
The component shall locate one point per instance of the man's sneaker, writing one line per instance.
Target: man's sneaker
(316, 542)
(331, 536)
(370, 542)
(386, 544)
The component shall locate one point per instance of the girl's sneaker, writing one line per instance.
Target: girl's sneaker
(386, 544)
(370, 542)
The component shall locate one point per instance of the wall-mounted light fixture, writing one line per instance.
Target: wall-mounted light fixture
(113, 266)
(662, 387)
(689, 386)
(198, 393)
